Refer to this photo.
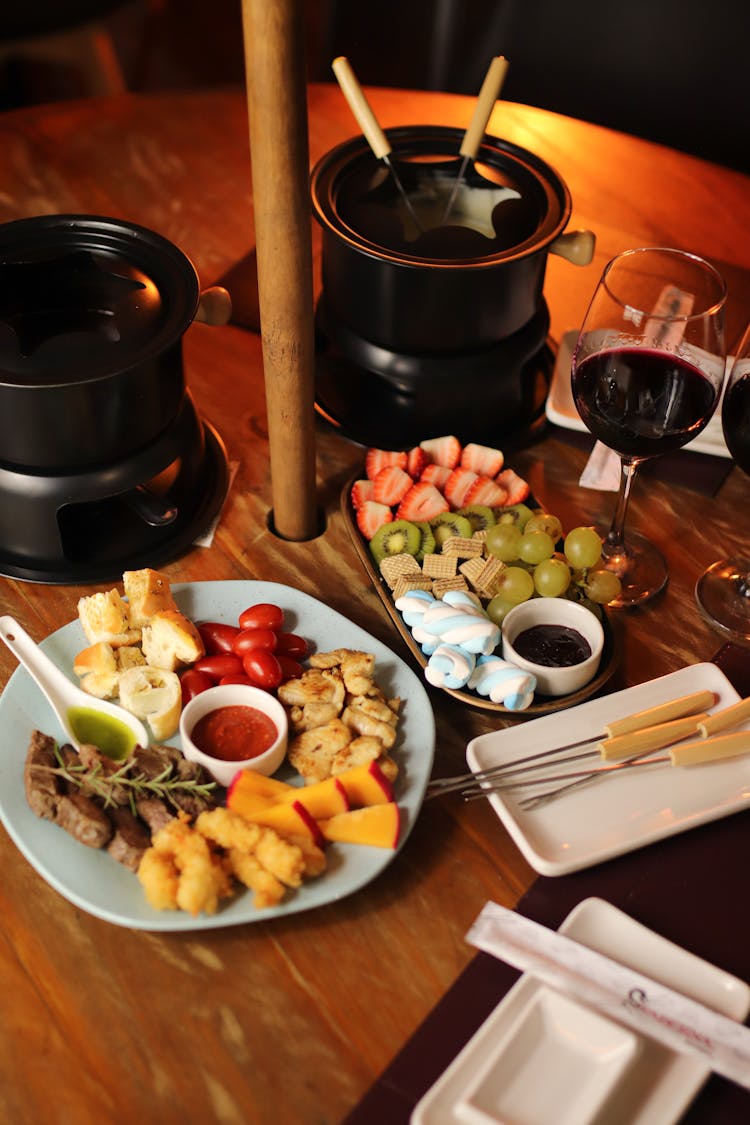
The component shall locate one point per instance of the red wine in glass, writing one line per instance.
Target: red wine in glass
(735, 421)
(641, 402)
(723, 591)
(647, 371)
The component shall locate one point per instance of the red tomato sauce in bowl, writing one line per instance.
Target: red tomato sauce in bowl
(235, 733)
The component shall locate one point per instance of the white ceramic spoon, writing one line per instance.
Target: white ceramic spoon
(75, 709)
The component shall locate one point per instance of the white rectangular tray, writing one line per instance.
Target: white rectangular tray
(623, 811)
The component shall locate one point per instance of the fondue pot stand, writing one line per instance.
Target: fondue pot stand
(448, 315)
(105, 464)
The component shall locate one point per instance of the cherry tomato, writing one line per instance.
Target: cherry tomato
(193, 683)
(262, 616)
(262, 667)
(219, 664)
(217, 637)
(291, 645)
(237, 678)
(291, 669)
(248, 639)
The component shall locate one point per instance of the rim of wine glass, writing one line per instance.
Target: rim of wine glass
(684, 254)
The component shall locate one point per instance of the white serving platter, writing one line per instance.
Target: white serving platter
(95, 882)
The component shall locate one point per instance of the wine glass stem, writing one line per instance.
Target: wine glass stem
(616, 534)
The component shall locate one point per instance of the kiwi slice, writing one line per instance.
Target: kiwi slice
(519, 514)
(450, 523)
(427, 546)
(399, 537)
(479, 516)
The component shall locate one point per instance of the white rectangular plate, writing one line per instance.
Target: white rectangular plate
(561, 409)
(623, 811)
(647, 1085)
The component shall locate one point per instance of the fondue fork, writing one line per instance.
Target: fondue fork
(710, 745)
(625, 747)
(369, 125)
(653, 716)
(488, 95)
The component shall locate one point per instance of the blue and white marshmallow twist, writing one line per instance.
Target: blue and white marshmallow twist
(503, 682)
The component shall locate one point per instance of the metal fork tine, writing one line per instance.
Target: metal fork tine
(578, 777)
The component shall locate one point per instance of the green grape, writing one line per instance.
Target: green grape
(583, 547)
(551, 578)
(536, 546)
(497, 609)
(515, 585)
(542, 521)
(516, 513)
(503, 540)
(602, 586)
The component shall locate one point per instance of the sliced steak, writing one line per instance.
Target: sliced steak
(43, 789)
(155, 812)
(84, 819)
(91, 758)
(130, 840)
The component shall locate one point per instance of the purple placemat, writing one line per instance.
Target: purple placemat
(693, 888)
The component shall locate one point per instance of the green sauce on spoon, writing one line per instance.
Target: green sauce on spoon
(111, 736)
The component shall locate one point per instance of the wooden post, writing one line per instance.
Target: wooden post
(277, 112)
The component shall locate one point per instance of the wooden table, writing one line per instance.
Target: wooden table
(291, 1021)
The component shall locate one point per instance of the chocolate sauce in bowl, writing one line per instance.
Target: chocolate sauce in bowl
(552, 646)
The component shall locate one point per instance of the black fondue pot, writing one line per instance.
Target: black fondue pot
(105, 463)
(92, 314)
(461, 283)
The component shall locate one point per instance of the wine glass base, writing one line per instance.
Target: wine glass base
(641, 568)
(720, 598)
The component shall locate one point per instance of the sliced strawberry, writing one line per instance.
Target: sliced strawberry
(435, 474)
(422, 502)
(486, 491)
(416, 461)
(361, 491)
(371, 516)
(443, 450)
(391, 485)
(516, 487)
(377, 459)
(457, 486)
(482, 459)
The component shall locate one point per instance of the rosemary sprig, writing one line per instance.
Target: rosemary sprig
(163, 786)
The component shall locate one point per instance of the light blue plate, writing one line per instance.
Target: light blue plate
(98, 884)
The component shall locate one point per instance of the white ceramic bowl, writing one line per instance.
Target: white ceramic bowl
(555, 611)
(234, 695)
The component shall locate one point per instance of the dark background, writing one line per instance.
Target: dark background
(673, 71)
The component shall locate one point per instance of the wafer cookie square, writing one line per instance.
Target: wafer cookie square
(440, 566)
(393, 567)
(488, 581)
(462, 547)
(411, 582)
(471, 569)
(441, 585)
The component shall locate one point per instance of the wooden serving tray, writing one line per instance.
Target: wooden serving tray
(542, 704)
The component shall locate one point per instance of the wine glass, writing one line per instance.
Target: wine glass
(723, 592)
(647, 372)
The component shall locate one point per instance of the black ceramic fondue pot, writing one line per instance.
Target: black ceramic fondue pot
(460, 283)
(92, 314)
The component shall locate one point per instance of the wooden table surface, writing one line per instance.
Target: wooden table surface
(292, 1020)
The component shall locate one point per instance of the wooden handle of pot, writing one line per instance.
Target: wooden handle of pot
(360, 107)
(214, 306)
(576, 247)
(277, 113)
(488, 95)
